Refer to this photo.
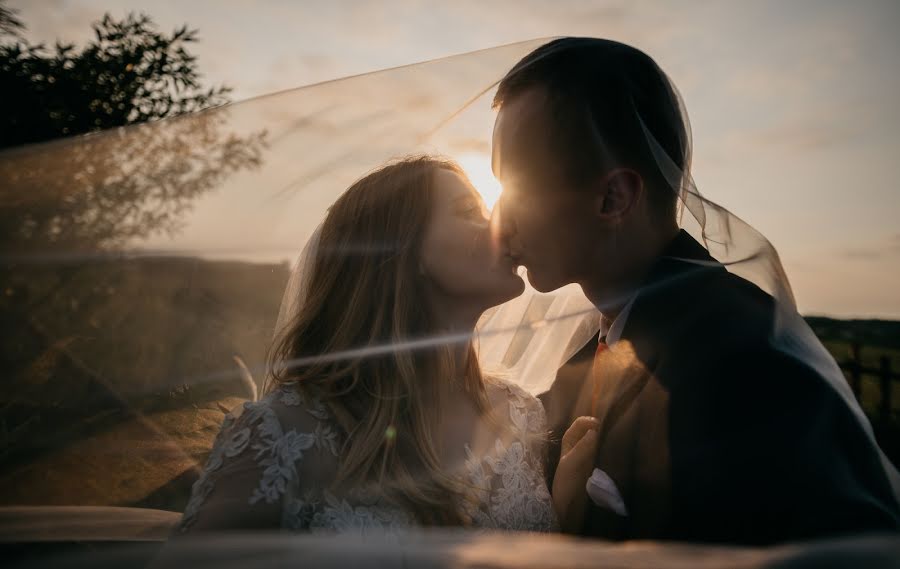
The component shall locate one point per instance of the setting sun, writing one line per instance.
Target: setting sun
(478, 168)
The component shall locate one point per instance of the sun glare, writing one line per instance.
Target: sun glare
(478, 168)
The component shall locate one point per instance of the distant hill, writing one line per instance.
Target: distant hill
(870, 333)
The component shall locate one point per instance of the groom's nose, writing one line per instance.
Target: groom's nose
(503, 223)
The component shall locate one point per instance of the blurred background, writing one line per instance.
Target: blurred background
(795, 128)
(793, 104)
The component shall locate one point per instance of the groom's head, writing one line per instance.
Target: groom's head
(582, 130)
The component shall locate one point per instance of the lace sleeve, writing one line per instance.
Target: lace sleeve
(528, 416)
(514, 494)
(537, 427)
(246, 475)
(533, 420)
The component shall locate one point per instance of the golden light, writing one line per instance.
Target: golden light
(478, 168)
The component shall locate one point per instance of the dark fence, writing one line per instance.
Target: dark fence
(855, 370)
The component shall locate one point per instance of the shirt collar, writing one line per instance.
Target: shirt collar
(682, 248)
(613, 330)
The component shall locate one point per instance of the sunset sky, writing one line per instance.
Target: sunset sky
(793, 105)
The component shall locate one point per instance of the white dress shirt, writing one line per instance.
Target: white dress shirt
(613, 330)
(600, 487)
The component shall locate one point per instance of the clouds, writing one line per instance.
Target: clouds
(797, 136)
(275, 45)
(793, 105)
(864, 254)
(884, 249)
(56, 19)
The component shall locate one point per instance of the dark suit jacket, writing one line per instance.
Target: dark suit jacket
(709, 432)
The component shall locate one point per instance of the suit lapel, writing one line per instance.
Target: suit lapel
(620, 382)
(632, 405)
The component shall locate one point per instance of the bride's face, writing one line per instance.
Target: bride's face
(457, 256)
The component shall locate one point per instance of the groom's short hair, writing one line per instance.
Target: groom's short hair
(607, 92)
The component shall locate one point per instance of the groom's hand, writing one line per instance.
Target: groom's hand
(576, 462)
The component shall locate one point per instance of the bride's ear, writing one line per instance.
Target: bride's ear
(617, 193)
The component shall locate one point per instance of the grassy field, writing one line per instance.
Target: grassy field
(109, 365)
(119, 372)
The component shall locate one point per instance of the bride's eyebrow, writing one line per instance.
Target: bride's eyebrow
(467, 200)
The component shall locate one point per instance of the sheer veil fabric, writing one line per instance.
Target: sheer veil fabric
(529, 338)
(249, 183)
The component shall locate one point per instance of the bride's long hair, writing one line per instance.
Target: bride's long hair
(366, 289)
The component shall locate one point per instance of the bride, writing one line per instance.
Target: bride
(378, 416)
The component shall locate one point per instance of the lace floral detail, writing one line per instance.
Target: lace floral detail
(509, 464)
(340, 516)
(326, 438)
(230, 442)
(521, 501)
(525, 411)
(514, 494)
(281, 465)
(237, 443)
(290, 396)
(506, 487)
(480, 480)
(318, 410)
(298, 512)
(509, 481)
(480, 492)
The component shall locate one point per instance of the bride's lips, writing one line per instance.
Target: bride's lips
(508, 261)
(514, 260)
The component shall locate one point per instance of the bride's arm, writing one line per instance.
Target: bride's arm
(231, 493)
(576, 463)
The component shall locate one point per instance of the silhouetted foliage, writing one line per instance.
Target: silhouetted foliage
(129, 73)
(99, 192)
(105, 190)
(84, 327)
(10, 24)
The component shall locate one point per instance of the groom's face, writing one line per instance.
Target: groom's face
(546, 223)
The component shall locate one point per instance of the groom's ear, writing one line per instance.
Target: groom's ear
(617, 193)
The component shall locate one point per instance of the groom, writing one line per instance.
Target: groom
(704, 432)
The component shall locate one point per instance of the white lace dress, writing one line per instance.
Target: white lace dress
(271, 466)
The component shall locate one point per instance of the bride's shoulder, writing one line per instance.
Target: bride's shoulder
(293, 405)
(283, 409)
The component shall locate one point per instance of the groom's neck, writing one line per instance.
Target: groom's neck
(611, 296)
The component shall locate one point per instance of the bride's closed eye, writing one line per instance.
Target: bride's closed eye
(472, 209)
